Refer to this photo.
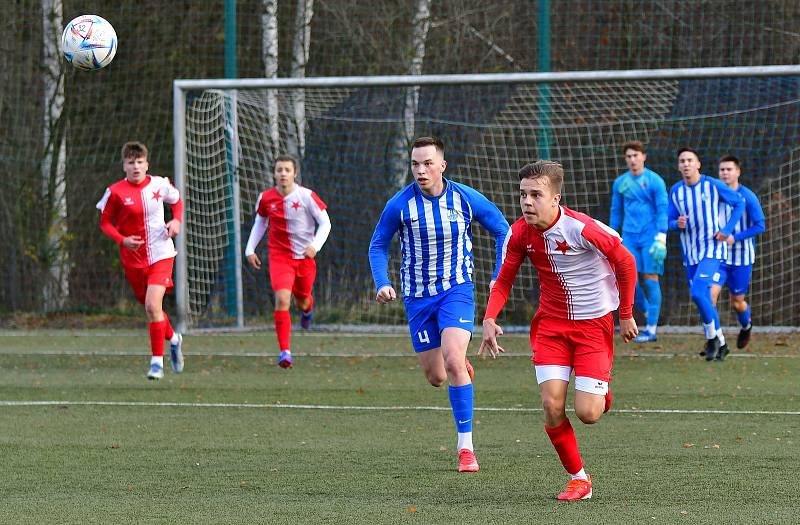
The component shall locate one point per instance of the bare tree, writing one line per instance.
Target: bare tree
(302, 41)
(405, 135)
(56, 288)
(269, 40)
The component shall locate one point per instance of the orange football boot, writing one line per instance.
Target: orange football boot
(577, 489)
(467, 461)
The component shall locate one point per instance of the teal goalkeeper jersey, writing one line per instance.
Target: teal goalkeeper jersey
(639, 204)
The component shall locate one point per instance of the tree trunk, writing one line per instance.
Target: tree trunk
(269, 39)
(302, 40)
(56, 288)
(405, 134)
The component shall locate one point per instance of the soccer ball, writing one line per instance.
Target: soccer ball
(89, 42)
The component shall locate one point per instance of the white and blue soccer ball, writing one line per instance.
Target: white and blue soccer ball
(89, 42)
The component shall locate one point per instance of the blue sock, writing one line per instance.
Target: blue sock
(462, 401)
(640, 299)
(653, 290)
(701, 295)
(744, 317)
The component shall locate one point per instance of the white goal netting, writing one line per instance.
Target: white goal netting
(352, 146)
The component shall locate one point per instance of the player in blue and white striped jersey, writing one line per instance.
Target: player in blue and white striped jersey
(434, 219)
(738, 267)
(694, 208)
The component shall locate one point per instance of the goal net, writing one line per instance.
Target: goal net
(352, 144)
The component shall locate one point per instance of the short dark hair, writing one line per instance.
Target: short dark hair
(285, 158)
(436, 142)
(134, 150)
(690, 150)
(730, 158)
(552, 170)
(635, 145)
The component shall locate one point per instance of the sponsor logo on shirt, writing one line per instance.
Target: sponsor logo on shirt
(128, 201)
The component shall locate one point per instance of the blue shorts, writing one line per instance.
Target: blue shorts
(706, 270)
(736, 277)
(639, 246)
(428, 316)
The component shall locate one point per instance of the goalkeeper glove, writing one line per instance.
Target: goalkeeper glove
(658, 250)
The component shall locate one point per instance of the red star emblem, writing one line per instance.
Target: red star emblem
(157, 194)
(562, 246)
(296, 204)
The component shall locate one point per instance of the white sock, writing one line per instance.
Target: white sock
(651, 328)
(157, 359)
(581, 474)
(287, 350)
(175, 338)
(721, 337)
(465, 440)
(709, 330)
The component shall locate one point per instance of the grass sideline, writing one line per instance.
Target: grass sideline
(233, 444)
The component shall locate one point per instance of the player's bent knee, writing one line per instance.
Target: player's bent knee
(435, 379)
(152, 309)
(589, 416)
(554, 409)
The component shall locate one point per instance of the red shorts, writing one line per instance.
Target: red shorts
(586, 345)
(297, 275)
(158, 273)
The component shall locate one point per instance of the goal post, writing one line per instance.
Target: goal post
(351, 154)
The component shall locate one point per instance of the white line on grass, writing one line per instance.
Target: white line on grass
(126, 353)
(376, 408)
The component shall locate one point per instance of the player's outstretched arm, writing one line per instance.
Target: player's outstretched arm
(387, 226)
(489, 342)
(386, 294)
(256, 233)
(491, 218)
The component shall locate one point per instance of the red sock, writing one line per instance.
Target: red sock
(169, 332)
(157, 330)
(283, 328)
(563, 439)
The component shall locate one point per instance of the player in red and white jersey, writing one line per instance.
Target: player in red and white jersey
(585, 274)
(132, 214)
(299, 226)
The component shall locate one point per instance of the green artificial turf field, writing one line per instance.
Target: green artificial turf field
(353, 434)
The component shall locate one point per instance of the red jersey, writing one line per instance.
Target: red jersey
(127, 209)
(575, 258)
(292, 220)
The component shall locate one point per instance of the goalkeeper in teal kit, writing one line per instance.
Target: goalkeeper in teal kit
(639, 213)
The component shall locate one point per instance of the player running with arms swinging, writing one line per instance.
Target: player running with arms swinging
(132, 214)
(434, 217)
(585, 273)
(737, 269)
(299, 226)
(695, 209)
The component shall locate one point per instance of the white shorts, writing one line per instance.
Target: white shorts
(589, 385)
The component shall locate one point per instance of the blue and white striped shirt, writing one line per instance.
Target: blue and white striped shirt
(743, 251)
(701, 203)
(435, 238)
